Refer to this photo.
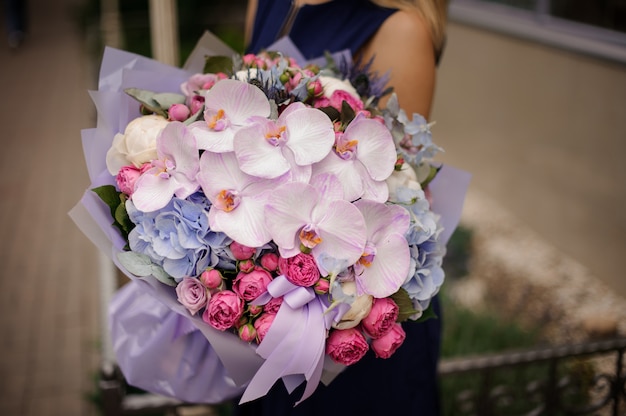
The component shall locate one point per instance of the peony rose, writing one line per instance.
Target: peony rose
(224, 310)
(405, 177)
(241, 252)
(381, 318)
(273, 305)
(192, 294)
(137, 145)
(339, 96)
(332, 84)
(126, 178)
(250, 285)
(262, 324)
(385, 346)
(359, 308)
(301, 269)
(346, 346)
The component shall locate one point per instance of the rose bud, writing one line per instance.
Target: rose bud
(212, 279)
(322, 286)
(196, 103)
(178, 112)
(315, 89)
(270, 261)
(246, 266)
(241, 252)
(255, 310)
(247, 332)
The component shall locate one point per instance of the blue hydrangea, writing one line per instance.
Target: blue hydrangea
(178, 238)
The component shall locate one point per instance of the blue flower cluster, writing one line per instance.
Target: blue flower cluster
(177, 237)
(425, 273)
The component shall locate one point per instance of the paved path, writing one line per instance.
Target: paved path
(48, 288)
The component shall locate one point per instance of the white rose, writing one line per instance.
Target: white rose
(405, 178)
(359, 309)
(331, 84)
(137, 145)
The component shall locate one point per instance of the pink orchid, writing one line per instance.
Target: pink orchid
(300, 137)
(384, 264)
(315, 216)
(238, 199)
(172, 173)
(363, 157)
(228, 106)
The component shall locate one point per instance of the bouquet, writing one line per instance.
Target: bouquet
(282, 217)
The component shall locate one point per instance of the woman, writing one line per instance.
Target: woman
(405, 38)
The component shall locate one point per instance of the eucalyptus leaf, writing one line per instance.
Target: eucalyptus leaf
(331, 112)
(215, 64)
(141, 265)
(168, 99)
(146, 98)
(195, 117)
(109, 195)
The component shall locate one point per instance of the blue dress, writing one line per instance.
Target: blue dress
(404, 384)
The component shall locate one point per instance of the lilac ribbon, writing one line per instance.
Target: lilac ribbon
(294, 346)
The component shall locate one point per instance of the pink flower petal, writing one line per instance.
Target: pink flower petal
(215, 141)
(153, 192)
(238, 99)
(376, 149)
(382, 219)
(349, 173)
(176, 142)
(311, 135)
(256, 155)
(389, 269)
(245, 224)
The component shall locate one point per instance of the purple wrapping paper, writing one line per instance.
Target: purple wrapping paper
(158, 346)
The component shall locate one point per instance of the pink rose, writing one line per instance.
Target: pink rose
(301, 269)
(382, 317)
(191, 294)
(196, 103)
(273, 305)
(250, 285)
(242, 252)
(346, 346)
(212, 279)
(339, 96)
(270, 261)
(224, 310)
(262, 325)
(246, 266)
(385, 346)
(178, 112)
(247, 332)
(126, 178)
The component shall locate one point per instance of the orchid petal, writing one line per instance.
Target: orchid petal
(349, 173)
(311, 135)
(176, 142)
(288, 209)
(219, 171)
(389, 269)
(376, 149)
(153, 192)
(375, 190)
(342, 229)
(245, 224)
(238, 99)
(382, 219)
(215, 141)
(256, 155)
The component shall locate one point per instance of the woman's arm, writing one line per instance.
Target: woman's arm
(403, 47)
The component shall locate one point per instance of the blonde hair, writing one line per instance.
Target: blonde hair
(435, 12)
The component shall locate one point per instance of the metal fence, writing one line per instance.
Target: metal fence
(582, 379)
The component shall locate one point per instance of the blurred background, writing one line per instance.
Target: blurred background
(531, 99)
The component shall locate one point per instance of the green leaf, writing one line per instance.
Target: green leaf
(433, 171)
(429, 313)
(405, 304)
(168, 99)
(215, 64)
(122, 218)
(331, 112)
(110, 196)
(146, 98)
(347, 113)
(141, 265)
(195, 117)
